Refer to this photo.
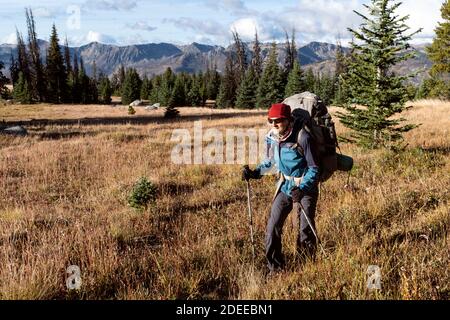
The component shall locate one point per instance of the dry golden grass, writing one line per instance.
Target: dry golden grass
(63, 191)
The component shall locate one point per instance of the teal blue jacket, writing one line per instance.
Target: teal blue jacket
(286, 157)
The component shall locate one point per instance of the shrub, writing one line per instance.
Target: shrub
(143, 193)
(131, 110)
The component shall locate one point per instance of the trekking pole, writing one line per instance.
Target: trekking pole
(251, 220)
(312, 228)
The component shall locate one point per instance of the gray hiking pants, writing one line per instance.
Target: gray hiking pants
(281, 207)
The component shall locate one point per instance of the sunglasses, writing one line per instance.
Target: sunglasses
(279, 120)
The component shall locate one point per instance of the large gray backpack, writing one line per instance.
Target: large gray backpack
(310, 114)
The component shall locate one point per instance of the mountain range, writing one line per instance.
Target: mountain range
(151, 59)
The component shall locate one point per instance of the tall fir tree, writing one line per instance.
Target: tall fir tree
(194, 97)
(74, 83)
(246, 93)
(22, 92)
(37, 74)
(270, 88)
(227, 90)
(310, 80)
(439, 54)
(212, 83)
(67, 57)
(341, 67)
(146, 88)
(23, 59)
(178, 96)
(3, 81)
(376, 93)
(69, 71)
(121, 76)
(105, 90)
(131, 89)
(156, 87)
(241, 59)
(83, 84)
(56, 71)
(325, 87)
(257, 62)
(14, 69)
(296, 81)
(291, 56)
(165, 89)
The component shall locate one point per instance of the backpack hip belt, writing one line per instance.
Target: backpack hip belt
(283, 177)
(297, 180)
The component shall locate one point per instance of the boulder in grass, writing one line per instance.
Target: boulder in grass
(136, 103)
(16, 130)
(153, 106)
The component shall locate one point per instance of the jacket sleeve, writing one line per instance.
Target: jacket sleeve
(312, 174)
(267, 165)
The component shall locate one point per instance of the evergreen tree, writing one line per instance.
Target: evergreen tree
(212, 83)
(227, 90)
(131, 89)
(37, 75)
(372, 85)
(433, 88)
(56, 71)
(291, 56)
(93, 90)
(165, 91)
(156, 87)
(178, 98)
(325, 87)
(221, 100)
(94, 71)
(241, 59)
(14, 70)
(3, 82)
(69, 70)
(295, 82)
(83, 84)
(73, 80)
(270, 89)
(105, 90)
(146, 88)
(67, 57)
(246, 93)
(341, 67)
(121, 77)
(257, 62)
(21, 92)
(310, 80)
(439, 54)
(171, 112)
(23, 59)
(194, 96)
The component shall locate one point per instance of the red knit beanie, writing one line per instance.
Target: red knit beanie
(279, 110)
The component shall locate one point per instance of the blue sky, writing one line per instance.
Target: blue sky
(124, 22)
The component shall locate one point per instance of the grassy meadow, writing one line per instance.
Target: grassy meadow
(63, 201)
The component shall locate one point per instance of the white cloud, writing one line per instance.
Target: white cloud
(246, 28)
(206, 27)
(110, 5)
(267, 30)
(43, 13)
(141, 25)
(91, 36)
(417, 18)
(132, 39)
(235, 7)
(10, 39)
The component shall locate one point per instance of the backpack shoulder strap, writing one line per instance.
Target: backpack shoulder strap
(297, 144)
